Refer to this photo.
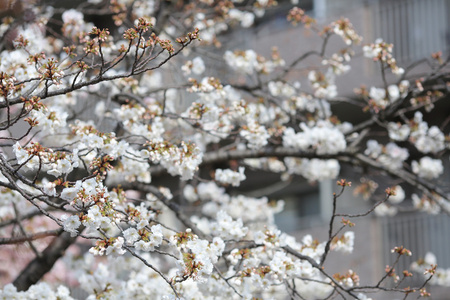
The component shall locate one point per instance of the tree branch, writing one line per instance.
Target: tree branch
(40, 266)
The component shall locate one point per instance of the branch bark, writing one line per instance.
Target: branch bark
(43, 263)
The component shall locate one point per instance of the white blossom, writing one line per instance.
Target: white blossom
(230, 177)
(313, 169)
(131, 235)
(116, 248)
(228, 229)
(71, 224)
(323, 138)
(256, 135)
(428, 167)
(399, 195)
(383, 210)
(344, 243)
(398, 132)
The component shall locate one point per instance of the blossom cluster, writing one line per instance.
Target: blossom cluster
(391, 156)
(215, 199)
(313, 169)
(180, 160)
(380, 98)
(323, 138)
(230, 177)
(55, 163)
(196, 66)
(249, 62)
(323, 84)
(382, 51)
(426, 139)
(38, 291)
(427, 265)
(345, 30)
(428, 167)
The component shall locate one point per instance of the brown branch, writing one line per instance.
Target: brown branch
(318, 267)
(29, 237)
(40, 266)
(45, 93)
(344, 157)
(279, 152)
(426, 187)
(330, 229)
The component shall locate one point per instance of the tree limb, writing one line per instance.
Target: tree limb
(40, 266)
